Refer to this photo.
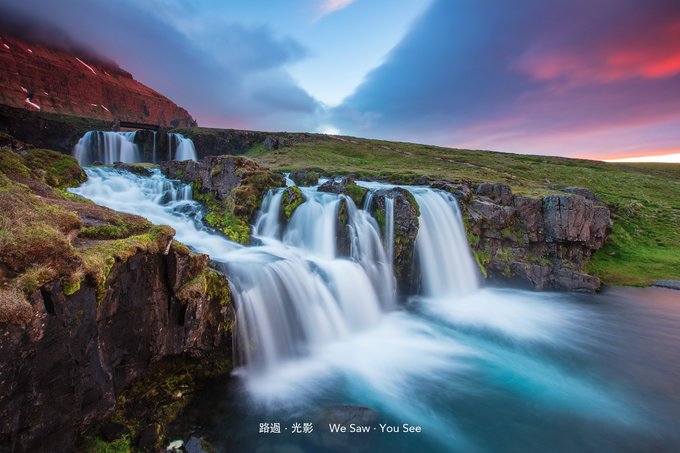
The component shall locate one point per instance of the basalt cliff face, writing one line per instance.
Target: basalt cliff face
(39, 78)
(544, 242)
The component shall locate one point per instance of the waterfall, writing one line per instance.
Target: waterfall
(446, 263)
(106, 147)
(300, 288)
(183, 147)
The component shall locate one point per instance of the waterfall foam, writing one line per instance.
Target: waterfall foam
(183, 147)
(446, 263)
(106, 147)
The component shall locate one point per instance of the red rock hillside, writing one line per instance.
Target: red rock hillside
(36, 77)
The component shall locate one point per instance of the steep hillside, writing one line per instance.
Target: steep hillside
(38, 78)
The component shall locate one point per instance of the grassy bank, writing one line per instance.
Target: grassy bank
(644, 198)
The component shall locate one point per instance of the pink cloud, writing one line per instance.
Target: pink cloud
(654, 54)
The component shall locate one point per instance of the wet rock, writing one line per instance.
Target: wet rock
(461, 191)
(111, 431)
(345, 186)
(406, 223)
(135, 169)
(305, 177)
(291, 199)
(149, 438)
(230, 187)
(194, 445)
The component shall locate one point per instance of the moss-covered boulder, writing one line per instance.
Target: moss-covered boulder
(291, 199)
(345, 186)
(405, 228)
(305, 177)
(230, 187)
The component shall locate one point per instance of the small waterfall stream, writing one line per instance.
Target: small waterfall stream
(108, 147)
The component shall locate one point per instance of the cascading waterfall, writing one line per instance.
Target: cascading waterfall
(446, 263)
(294, 292)
(106, 147)
(183, 147)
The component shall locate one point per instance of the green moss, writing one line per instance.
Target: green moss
(356, 193)
(290, 200)
(100, 258)
(208, 283)
(379, 217)
(158, 398)
(71, 287)
(98, 445)
(60, 170)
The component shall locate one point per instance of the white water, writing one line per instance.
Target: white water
(106, 147)
(183, 147)
(446, 263)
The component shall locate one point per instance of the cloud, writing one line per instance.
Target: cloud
(330, 6)
(528, 76)
(212, 72)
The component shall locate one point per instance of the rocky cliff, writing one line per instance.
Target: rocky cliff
(38, 78)
(545, 242)
(91, 301)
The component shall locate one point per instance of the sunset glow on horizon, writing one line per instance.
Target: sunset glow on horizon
(575, 78)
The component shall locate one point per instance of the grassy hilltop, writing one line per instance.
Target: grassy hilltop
(644, 198)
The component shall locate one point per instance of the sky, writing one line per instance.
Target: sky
(593, 79)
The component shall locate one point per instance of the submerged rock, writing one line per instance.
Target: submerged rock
(132, 168)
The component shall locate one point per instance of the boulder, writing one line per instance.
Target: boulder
(345, 186)
(305, 177)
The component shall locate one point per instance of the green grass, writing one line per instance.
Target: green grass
(644, 198)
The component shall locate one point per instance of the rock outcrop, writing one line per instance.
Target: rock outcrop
(345, 186)
(40, 78)
(305, 177)
(230, 187)
(545, 242)
(406, 212)
(91, 300)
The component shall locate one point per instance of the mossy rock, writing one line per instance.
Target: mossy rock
(291, 199)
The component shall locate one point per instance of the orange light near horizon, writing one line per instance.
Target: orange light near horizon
(672, 158)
